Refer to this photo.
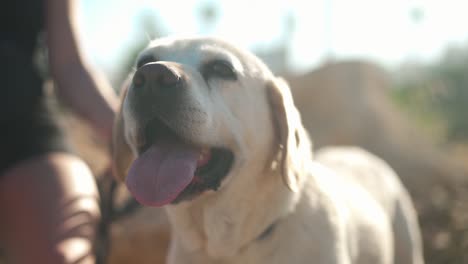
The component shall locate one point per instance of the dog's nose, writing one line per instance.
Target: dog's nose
(155, 77)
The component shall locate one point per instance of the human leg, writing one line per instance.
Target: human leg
(50, 210)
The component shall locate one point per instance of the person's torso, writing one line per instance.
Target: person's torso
(21, 21)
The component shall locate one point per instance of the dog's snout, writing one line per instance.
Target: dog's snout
(154, 77)
(157, 87)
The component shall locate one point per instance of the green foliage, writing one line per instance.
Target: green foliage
(417, 100)
(453, 104)
(439, 93)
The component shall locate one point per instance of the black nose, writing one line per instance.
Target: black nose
(155, 77)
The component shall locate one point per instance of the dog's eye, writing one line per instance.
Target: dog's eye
(219, 68)
(145, 59)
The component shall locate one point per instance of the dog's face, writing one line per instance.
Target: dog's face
(197, 113)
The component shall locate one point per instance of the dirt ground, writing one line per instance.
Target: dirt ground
(348, 104)
(345, 104)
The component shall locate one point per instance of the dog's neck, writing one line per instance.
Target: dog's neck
(218, 225)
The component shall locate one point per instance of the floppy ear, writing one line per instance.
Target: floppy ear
(122, 156)
(292, 138)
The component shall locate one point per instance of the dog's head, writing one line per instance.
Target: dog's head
(196, 113)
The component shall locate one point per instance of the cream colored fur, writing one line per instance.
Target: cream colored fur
(342, 206)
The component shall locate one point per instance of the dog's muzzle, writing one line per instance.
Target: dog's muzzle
(157, 85)
(170, 167)
(157, 78)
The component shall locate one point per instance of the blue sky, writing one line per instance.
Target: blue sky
(378, 30)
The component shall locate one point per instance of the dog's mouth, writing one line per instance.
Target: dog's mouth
(170, 169)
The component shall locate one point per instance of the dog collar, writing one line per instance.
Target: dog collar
(267, 232)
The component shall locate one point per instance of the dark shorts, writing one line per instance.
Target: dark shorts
(28, 125)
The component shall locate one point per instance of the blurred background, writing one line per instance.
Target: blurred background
(390, 76)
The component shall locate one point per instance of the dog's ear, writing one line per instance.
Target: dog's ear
(122, 155)
(294, 144)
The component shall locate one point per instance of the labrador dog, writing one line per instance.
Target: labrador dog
(207, 131)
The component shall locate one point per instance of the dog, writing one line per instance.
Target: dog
(208, 132)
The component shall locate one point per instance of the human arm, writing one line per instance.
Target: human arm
(80, 86)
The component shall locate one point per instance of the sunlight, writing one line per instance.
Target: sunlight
(383, 31)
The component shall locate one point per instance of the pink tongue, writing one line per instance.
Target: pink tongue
(163, 171)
